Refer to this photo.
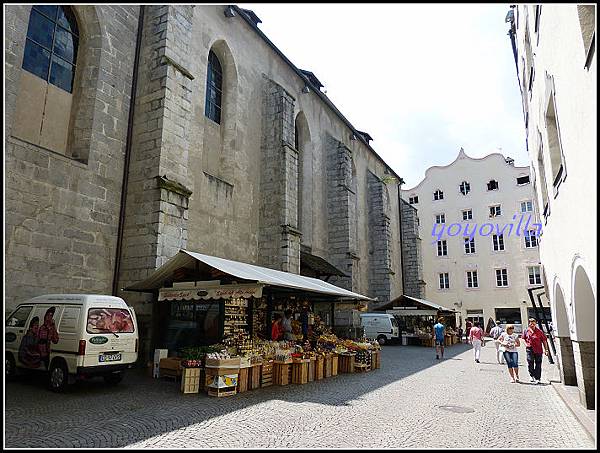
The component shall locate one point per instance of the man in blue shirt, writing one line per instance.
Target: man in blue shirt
(440, 331)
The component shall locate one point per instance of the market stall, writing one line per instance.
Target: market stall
(417, 317)
(216, 315)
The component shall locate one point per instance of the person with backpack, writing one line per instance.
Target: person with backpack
(495, 333)
(476, 339)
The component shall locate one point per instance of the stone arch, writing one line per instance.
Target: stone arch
(584, 347)
(562, 330)
(584, 303)
(228, 126)
(303, 146)
(92, 42)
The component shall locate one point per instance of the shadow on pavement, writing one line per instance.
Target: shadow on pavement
(91, 414)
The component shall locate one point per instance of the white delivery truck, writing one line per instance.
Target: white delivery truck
(71, 336)
(382, 327)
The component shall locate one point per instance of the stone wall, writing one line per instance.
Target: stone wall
(62, 213)
(412, 262)
(279, 237)
(379, 240)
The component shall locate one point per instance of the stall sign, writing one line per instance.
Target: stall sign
(218, 292)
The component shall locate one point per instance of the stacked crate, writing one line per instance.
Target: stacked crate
(266, 373)
(222, 376)
(300, 371)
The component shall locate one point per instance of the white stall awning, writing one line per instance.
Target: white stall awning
(257, 274)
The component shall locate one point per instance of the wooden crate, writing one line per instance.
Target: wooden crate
(300, 371)
(242, 385)
(361, 367)
(311, 370)
(266, 373)
(170, 367)
(346, 363)
(282, 373)
(375, 359)
(334, 365)
(328, 365)
(254, 376)
(223, 363)
(319, 365)
(220, 392)
(190, 380)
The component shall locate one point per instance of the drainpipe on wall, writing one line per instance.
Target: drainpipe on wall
(399, 186)
(136, 61)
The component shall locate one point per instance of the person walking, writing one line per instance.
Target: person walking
(440, 331)
(468, 326)
(534, 340)
(495, 333)
(476, 339)
(509, 342)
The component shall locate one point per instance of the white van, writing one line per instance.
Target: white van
(382, 327)
(72, 336)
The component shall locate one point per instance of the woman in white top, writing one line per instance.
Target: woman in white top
(509, 342)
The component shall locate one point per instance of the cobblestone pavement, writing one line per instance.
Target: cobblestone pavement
(412, 401)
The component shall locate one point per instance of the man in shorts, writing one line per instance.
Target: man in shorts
(439, 332)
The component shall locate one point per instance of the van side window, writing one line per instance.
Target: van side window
(69, 320)
(18, 318)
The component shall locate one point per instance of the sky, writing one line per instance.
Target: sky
(423, 80)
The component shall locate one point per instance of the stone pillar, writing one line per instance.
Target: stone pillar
(158, 190)
(341, 212)
(412, 262)
(566, 361)
(585, 368)
(279, 236)
(380, 238)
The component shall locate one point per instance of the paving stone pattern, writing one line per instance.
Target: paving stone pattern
(412, 401)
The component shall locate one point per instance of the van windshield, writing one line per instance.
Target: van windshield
(109, 320)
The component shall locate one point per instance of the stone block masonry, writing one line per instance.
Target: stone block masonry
(279, 183)
(412, 262)
(341, 209)
(62, 211)
(380, 238)
(158, 191)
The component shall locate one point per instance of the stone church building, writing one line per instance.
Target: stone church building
(133, 132)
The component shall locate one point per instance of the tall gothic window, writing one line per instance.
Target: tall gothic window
(51, 45)
(214, 88)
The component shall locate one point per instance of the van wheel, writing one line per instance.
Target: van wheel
(113, 378)
(10, 368)
(59, 376)
(381, 339)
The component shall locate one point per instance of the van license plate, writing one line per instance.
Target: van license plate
(109, 357)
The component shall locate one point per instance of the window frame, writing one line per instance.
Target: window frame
(533, 240)
(210, 87)
(443, 281)
(466, 186)
(493, 181)
(470, 216)
(497, 241)
(497, 208)
(444, 247)
(534, 275)
(469, 245)
(438, 195)
(438, 217)
(503, 277)
(472, 280)
(52, 54)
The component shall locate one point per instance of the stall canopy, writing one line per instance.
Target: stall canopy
(248, 272)
(404, 300)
